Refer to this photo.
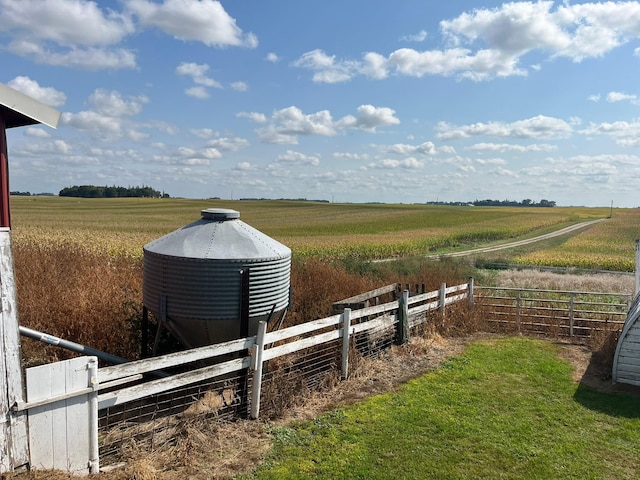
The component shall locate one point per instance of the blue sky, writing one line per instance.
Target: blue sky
(358, 101)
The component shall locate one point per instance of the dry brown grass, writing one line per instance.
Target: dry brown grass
(601, 282)
(77, 295)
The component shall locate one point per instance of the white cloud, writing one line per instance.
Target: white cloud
(487, 43)
(624, 133)
(78, 33)
(287, 124)
(418, 37)
(271, 134)
(374, 65)
(503, 172)
(46, 95)
(426, 148)
(55, 147)
(36, 132)
(491, 161)
(298, 158)
(244, 166)
(369, 118)
(506, 147)
(204, 132)
(113, 104)
(388, 163)
(72, 33)
(197, 92)
(203, 21)
(85, 58)
(586, 169)
(229, 144)
(272, 57)
(253, 116)
(613, 97)
(350, 156)
(327, 68)
(240, 86)
(92, 121)
(79, 160)
(197, 72)
(64, 22)
(136, 136)
(110, 113)
(536, 127)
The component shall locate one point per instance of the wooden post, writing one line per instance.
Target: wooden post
(14, 449)
(346, 327)
(256, 360)
(443, 299)
(402, 327)
(470, 292)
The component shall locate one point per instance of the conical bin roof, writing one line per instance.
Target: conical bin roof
(219, 235)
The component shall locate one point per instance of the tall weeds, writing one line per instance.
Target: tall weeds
(96, 300)
(71, 293)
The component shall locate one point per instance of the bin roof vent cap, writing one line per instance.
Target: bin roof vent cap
(219, 214)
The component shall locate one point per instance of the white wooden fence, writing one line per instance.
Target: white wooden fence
(69, 401)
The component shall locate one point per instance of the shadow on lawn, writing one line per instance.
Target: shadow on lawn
(596, 391)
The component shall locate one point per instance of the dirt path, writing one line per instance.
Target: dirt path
(546, 236)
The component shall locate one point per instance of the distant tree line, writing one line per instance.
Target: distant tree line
(286, 199)
(509, 203)
(93, 191)
(501, 203)
(29, 194)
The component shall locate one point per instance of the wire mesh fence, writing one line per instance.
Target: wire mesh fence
(156, 420)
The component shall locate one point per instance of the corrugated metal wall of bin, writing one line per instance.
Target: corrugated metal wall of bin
(192, 277)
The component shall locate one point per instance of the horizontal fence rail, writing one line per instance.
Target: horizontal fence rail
(552, 312)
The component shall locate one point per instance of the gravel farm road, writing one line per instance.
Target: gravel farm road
(557, 233)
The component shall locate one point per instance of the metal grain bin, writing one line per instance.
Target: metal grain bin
(214, 280)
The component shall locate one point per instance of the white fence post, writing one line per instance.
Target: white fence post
(443, 300)
(94, 445)
(470, 288)
(346, 327)
(257, 370)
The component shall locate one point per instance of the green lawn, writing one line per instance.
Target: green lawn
(506, 409)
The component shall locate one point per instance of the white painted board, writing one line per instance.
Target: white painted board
(59, 433)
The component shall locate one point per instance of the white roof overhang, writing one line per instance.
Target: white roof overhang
(19, 109)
